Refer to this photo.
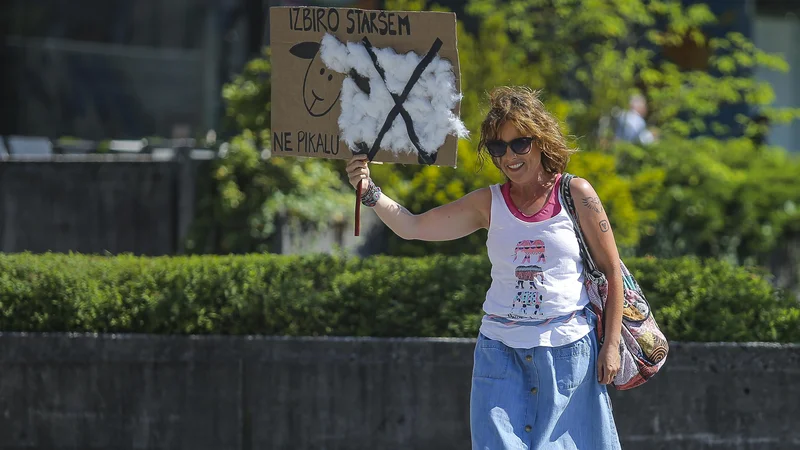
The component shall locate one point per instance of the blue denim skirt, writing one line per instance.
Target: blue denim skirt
(540, 398)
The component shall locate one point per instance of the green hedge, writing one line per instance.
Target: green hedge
(693, 300)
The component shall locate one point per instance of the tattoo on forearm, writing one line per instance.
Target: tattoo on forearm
(398, 208)
(593, 203)
(604, 226)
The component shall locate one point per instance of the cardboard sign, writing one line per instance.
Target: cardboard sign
(306, 94)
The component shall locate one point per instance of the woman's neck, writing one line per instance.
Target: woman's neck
(531, 191)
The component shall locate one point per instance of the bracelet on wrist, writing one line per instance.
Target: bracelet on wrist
(370, 195)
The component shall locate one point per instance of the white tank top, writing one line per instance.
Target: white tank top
(537, 274)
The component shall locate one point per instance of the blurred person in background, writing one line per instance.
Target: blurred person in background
(631, 124)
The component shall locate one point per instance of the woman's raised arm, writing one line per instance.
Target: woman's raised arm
(447, 222)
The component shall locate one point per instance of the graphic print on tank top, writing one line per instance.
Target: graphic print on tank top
(527, 302)
(526, 305)
(529, 274)
(529, 248)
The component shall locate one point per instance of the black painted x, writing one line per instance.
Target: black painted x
(398, 108)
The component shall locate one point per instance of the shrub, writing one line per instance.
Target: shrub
(335, 295)
(727, 200)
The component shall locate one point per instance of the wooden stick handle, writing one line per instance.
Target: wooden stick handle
(358, 208)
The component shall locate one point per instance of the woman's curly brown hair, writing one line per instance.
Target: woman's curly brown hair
(522, 107)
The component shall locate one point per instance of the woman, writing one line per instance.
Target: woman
(539, 377)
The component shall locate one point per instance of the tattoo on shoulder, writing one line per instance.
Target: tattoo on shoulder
(604, 226)
(593, 203)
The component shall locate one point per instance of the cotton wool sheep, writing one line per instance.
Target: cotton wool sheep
(430, 102)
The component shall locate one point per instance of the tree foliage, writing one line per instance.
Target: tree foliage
(728, 200)
(588, 57)
(250, 194)
(700, 190)
(595, 54)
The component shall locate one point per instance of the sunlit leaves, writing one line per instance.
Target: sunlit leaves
(588, 57)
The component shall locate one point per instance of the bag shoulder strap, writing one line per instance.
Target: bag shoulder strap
(588, 262)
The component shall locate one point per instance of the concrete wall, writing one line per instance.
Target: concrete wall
(95, 207)
(143, 207)
(159, 392)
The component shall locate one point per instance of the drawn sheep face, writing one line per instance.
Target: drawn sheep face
(409, 101)
(321, 86)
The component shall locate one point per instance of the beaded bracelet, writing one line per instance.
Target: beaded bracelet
(370, 195)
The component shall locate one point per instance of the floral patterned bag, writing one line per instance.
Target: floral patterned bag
(643, 347)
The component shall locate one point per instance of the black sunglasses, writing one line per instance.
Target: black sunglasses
(520, 146)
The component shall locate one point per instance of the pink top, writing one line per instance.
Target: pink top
(549, 210)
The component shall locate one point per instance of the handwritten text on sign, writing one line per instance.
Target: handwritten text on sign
(355, 21)
(305, 142)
